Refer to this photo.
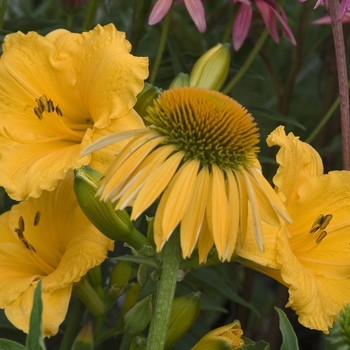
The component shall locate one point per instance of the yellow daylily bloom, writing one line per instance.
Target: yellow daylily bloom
(225, 337)
(199, 154)
(311, 256)
(58, 94)
(49, 239)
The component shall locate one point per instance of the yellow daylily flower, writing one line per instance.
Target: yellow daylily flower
(49, 239)
(312, 255)
(225, 337)
(58, 94)
(199, 154)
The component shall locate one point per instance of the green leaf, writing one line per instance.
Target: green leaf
(35, 335)
(290, 340)
(251, 345)
(10, 345)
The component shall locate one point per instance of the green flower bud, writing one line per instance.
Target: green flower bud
(138, 343)
(226, 337)
(130, 299)
(115, 225)
(119, 278)
(145, 98)
(137, 319)
(184, 312)
(211, 69)
(84, 339)
(94, 277)
(180, 80)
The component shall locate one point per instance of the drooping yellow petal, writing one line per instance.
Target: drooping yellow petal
(205, 241)
(55, 307)
(192, 221)
(297, 162)
(217, 211)
(174, 202)
(243, 196)
(156, 184)
(142, 173)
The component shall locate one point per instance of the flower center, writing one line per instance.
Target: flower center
(315, 236)
(20, 234)
(207, 125)
(45, 105)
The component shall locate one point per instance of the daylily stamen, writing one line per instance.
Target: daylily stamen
(321, 236)
(321, 223)
(37, 218)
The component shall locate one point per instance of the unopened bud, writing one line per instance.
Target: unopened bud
(146, 98)
(180, 80)
(84, 339)
(115, 225)
(184, 312)
(138, 343)
(119, 278)
(137, 319)
(211, 69)
(130, 299)
(225, 337)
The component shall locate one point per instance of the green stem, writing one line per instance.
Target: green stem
(324, 120)
(228, 30)
(73, 325)
(90, 14)
(247, 62)
(161, 47)
(2, 12)
(339, 46)
(170, 258)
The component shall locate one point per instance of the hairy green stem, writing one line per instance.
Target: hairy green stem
(170, 258)
(161, 47)
(247, 62)
(339, 46)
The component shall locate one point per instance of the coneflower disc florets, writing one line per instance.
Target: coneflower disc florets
(207, 126)
(199, 154)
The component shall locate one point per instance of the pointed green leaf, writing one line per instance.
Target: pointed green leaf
(10, 345)
(290, 341)
(35, 335)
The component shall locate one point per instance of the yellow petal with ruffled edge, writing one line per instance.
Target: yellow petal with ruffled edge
(57, 244)
(297, 162)
(91, 78)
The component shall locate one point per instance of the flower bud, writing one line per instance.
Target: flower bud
(211, 69)
(146, 97)
(180, 80)
(130, 299)
(119, 278)
(84, 339)
(137, 319)
(184, 312)
(225, 337)
(94, 277)
(115, 225)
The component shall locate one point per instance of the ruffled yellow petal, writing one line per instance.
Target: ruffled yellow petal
(192, 221)
(156, 184)
(55, 306)
(174, 202)
(217, 211)
(110, 77)
(297, 162)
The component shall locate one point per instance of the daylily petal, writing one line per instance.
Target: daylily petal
(19, 310)
(297, 161)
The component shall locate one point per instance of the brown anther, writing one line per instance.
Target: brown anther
(38, 113)
(21, 223)
(321, 236)
(37, 218)
(58, 111)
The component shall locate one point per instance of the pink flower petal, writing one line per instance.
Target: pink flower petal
(267, 14)
(344, 6)
(160, 9)
(196, 10)
(241, 25)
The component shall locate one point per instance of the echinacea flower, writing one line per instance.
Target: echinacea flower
(343, 7)
(225, 337)
(49, 239)
(199, 154)
(58, 94)
(311, 256)
(269, 11)
(194, 7)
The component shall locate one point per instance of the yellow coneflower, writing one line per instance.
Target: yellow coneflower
(199, 153)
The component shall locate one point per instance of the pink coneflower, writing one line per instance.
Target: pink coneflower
(269, 11)
(194, 7)
(343, 14)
